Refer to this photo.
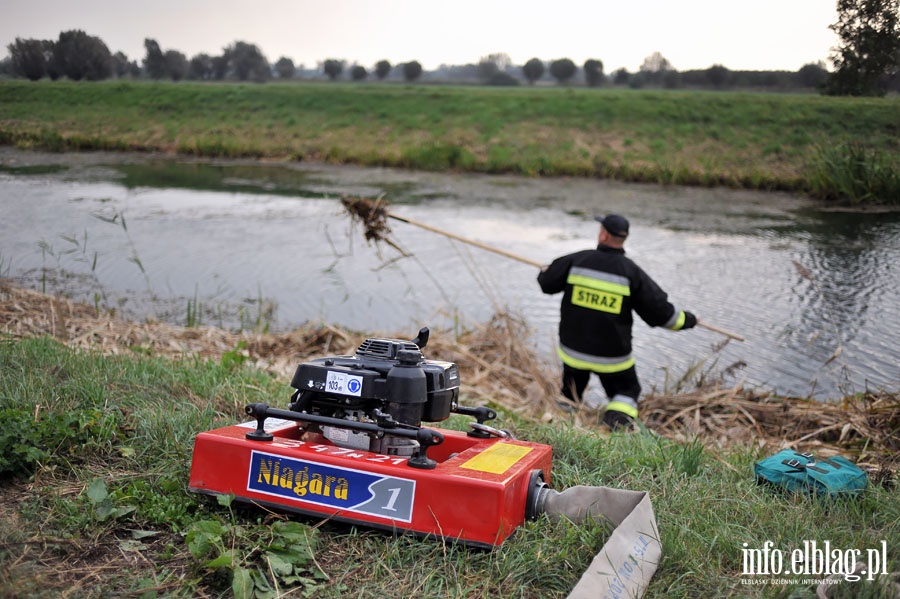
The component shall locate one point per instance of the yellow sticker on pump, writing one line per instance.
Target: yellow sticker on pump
(497, 458)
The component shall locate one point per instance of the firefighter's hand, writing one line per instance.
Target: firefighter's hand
(690, 321)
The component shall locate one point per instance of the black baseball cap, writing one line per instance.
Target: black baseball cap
(614, 224)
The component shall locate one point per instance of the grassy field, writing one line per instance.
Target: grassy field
(94, 459)
(834, 148)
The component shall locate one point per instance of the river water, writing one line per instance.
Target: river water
(240, 244)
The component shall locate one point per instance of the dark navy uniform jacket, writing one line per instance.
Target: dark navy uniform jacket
(601, 288)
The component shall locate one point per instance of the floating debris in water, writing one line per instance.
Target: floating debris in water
(373, 214)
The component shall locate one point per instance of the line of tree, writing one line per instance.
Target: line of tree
(867, 62)
(74, 55)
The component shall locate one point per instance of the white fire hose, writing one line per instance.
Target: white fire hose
(628, 559)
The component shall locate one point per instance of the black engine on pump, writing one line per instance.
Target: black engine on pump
(373, 399)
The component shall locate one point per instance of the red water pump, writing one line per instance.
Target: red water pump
(351, 447)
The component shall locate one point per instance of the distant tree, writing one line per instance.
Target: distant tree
(487, 68)
(201, 67)
(412, 70)
(671, 79)
(593, 72)
(247, 62)
(621, 76)
(285, 68)
(177, 66)
(154, 60)
(490, 65)
(134, 69)
(121, 66)
(654, 69)
(869, 40)
(78, 56)
(501, 59)
(358, 73)
(219, 67)
(333, 68)
(656, 63)
(54, 64)
(717, 75)
(29, 58)
(562, 70)
(503, 79)
(533, 70)
(382, 69)
(812, 75)
(770, 79)
(893, 78)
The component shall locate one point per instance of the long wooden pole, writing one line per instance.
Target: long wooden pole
(496, 250)
(725, 332)
(477, 244)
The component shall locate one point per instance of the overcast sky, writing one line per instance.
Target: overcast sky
(691, 34)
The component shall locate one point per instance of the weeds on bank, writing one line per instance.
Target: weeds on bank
(77, 249)
(856, 174)
(134, 258)
(194, 316)
(76, 255)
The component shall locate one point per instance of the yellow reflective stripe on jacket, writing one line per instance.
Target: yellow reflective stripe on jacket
(584, 361)
(601, 281)
(677, 321)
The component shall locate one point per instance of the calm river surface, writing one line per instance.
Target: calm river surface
(248, 242)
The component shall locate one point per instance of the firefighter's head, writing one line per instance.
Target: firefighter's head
(613, 229)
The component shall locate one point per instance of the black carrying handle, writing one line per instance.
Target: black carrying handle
(809, 456)
(801, 466)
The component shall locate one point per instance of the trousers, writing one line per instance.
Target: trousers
(575, 381)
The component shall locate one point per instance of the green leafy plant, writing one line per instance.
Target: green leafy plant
(260, 322)
(27, 440)
(234, 358)
(261, 560)
(194, 316)
(101, 503)
(19, 450)
(162, 502)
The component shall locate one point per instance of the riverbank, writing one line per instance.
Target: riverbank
(494, 369)
(839, 149)
(100, 415)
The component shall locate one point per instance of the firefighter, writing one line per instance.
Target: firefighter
(600, 289)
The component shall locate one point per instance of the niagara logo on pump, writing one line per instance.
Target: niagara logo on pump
(352, 490)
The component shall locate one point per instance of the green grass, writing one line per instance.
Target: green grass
(856, 173)
(96, 452)
(748, 140)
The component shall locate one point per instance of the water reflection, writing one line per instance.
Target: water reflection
(241, 238)
(849, 266)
